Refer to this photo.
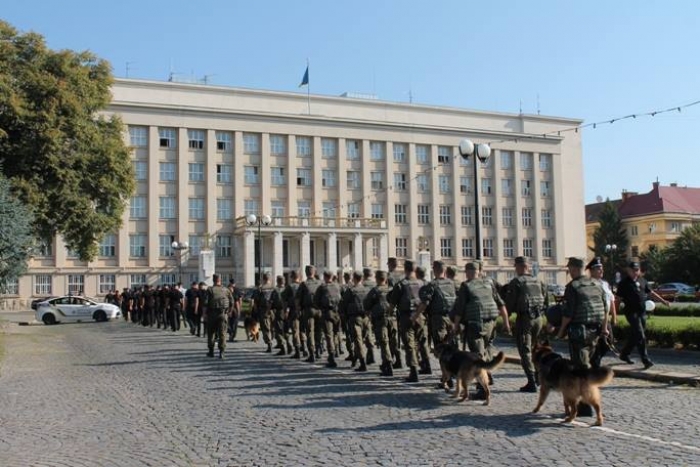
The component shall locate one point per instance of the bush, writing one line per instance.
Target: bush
(685, 298)
(686, 310)
(665, 332)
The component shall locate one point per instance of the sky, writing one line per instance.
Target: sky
(594, 60)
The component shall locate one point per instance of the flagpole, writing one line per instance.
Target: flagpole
(308, 89)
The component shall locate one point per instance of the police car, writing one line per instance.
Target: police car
(71, 308)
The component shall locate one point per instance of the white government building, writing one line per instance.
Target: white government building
(347, 181)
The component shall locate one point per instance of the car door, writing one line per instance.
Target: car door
(64, 308)
(84, 309)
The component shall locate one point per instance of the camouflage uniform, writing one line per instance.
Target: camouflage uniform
(327, 299)
(381, 311)
(586, 305)
(439, 297)
(218, 302)
(310, 315)
(477, 305)
(352, 306)
(406, 297)
(294, 317)
(264, 313)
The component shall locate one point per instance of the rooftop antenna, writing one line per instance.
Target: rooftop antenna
(410, 96)
(206, 78)
(538, 103)
(521, 106)
(128, 67)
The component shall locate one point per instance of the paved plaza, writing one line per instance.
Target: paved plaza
(117, 394)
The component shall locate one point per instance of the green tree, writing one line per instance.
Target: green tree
(683, 257)
(16, 238)
(65, 159)
(655, 265)
(610, 232)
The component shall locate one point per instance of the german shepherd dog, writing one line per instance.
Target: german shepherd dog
(465, 366)
(252, 328)
(575, 384)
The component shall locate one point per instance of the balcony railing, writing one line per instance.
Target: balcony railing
(320, 222)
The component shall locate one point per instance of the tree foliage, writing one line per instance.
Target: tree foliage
(610, 231)
(64, 159)
(683, 257)
(655, 265)
(16, 238)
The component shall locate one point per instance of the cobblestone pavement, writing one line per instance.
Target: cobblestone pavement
(115, 394)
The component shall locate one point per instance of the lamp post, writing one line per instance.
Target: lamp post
(251, 220)
(610, 249)
(482, 152)
(179, 247)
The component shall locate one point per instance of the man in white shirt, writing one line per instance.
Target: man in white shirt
(595, 267)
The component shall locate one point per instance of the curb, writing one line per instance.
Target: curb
(660, 377)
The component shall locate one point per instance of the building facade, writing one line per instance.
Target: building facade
(347, 182)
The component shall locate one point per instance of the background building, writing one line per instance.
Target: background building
(348, 182)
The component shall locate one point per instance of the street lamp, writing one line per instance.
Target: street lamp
(180, 247)
(610, 249)
(481, 152)
(251, 220)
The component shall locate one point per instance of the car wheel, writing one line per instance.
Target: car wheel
(100, 316)
(48, 319)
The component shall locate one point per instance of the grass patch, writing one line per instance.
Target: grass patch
(666, 331)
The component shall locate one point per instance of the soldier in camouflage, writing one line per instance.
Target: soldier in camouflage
(351, 305)
(310, 314)
(263, 309)
(218, 304)
(381, 312)
(437, 298)
(327, 299)
(293, 318)
(279, 309)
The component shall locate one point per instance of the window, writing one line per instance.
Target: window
(303, 177)
(138, 136)
(223, 141)
(467, 248)
(422, 183)
(137, 245)
(277, 176)
(76, 284)
(527, 217)
(329, 210)
(352, 148)
(485, 186)
(73, 254)
(168, 279)
(488, 248)
(444, 183)
(376, 151)
(652, 227)
(507, 217)
(526, 187)
(401, 247)
(353, 210)
(547, 248)
(399, 181)
(424, 214)
(303, 146)
(506, 160)
(278, 209)
(329, 148)
(446, 247)
(197, 172)
(353, 179)
(400, 152)
(466, 215)
(506, 186)
(137, 207)
(304, 208)
(42, 284)
(108, 246)
(223, 209)
(527, 247)
(445, 214)
(375, 247)
(526, 161)
(108, 283)
(377, 211)
(223, 173)
(140, 170)
(165, 245)
(634, 231)
(168, 207)
(250, 206)
(167, 138)
(196, 138)
(422, 152)
(251, 175)
(45, 248)
(195, 242)
(675, 227)
(223, 246)
(508, 249)
(251, 143)
(167, 172)
(137, 280)
(278, 145)
(465, 161)
(400, 214)
(635, 250)
(328, 178)
(465, 185)
(12, 287)
(544, 189)
(377, 180)
(545, 162)
(546, 218)
(486, 215)
(196, 208)
(444, 154)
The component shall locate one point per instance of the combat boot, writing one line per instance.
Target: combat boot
(363, 365)
(221, 354)
(331, 362)
(269, 348)
(425, 368)
(350, 357)
(210, 353)
(311, 359)
(412, 376)
(397, 364)
(480, 394)
(529, 387)
(584, 410)
(386, 369)
(370, 356)
(289, 348)
(297, 355)
(283, 351)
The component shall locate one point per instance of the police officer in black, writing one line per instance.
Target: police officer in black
(175, 301)
(633, 290)
(191, 308)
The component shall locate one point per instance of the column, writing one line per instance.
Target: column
(358, 253)
(249, 258)
(332, 253)
(154, 193)
(383, 251)
(277, 264)
(305, 250)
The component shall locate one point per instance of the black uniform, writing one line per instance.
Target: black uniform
(633, 294)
